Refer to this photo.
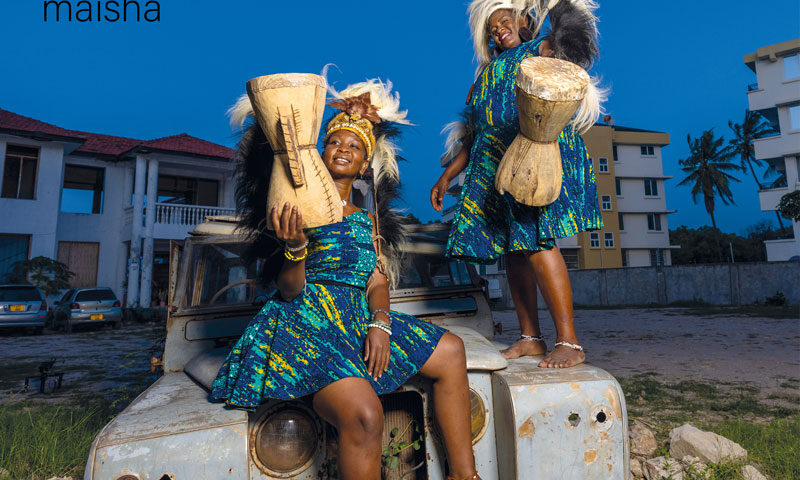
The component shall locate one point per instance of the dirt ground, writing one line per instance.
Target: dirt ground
(95, 360)
(668, 344)
(675, 346)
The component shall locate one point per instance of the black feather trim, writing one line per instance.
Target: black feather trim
(254, 158)
(573, 36)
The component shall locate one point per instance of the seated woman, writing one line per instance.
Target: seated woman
(328, 332)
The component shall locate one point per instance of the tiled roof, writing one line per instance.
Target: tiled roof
(185, 143)
(17, 123)
(110, 145)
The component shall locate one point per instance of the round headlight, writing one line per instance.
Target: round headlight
(477, 411)
(284, 441)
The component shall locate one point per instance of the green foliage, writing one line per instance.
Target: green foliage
(773, 446)
(789, 206)
(699, 245)
(779, 299)
(47, 274)
(42, 440)
(390, 453)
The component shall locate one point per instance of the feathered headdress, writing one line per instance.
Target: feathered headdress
(373, 101)
(573, 37)
(373, 115)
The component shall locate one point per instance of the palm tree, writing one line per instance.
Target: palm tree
(707, 167)
(754, 126)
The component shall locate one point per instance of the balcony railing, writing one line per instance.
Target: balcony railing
(176, 214)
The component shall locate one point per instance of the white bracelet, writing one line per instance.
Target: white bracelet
(297, 249)
(381, 326)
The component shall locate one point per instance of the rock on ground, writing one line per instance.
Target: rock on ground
(707, 446)
(636, 468)
(749, 472)
(643, 441)
(659, 467)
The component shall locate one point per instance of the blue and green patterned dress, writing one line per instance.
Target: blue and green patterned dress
(488, 225)
(293, 349)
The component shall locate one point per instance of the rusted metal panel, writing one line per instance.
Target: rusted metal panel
(216, 453)
(559, 423)
(171, 406)
(486, 446)
(481, 354)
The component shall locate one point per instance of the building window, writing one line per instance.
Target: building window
(570, 258)
(13, 248)
(791, 67)
(654, 222)
(603, 165)
(609, 239)
(618, 184)
(594, 240)
(605, 201)
(624, 253)
(621, 223)
(188, 191)
(616, 156)
(650, 187)
(83, 189)
(794, 117)
(656, 257)
(19, 174)
(648, 151)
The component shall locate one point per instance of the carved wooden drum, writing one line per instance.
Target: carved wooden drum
(289, 108)
(549, 92)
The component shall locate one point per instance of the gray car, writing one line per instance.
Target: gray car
(22, 306)
(87, 305)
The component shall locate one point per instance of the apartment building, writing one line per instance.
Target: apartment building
(631, 195)
(776, 96)
(106, 206)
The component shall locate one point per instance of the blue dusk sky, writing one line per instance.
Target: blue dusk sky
(674, 67)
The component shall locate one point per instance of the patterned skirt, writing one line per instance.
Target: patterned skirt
(293, 349)
(488, 225)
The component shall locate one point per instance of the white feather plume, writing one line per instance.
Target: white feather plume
(591, 106)
(380, 94)
(240, 110)
(455, 134)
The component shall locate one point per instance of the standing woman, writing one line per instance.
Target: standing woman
(487, 225)
(327, 333)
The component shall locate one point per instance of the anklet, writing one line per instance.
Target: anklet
(473, 477)
(570, 345)
(531, 338)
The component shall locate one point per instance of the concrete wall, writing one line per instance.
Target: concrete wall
(717, 284)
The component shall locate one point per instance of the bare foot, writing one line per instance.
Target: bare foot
(563, 357)
(525, 348)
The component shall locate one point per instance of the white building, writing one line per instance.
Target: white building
(777, 97)
(74, 196)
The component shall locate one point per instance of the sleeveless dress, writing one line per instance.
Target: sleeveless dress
(293, 349)
(488, 225)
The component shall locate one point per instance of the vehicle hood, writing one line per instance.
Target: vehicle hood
(173, 404)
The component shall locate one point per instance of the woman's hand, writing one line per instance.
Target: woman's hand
(376, 352)
(289, 225)
(438, 191)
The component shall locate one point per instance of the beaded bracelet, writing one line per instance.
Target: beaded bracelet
(297, 249)
(380, 310)
(381, 326)
(292, 258)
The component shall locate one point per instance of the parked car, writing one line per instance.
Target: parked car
(527, 422)
(22, 306)
(87, 305)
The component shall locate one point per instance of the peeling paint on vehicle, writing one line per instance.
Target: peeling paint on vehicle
(528, 429)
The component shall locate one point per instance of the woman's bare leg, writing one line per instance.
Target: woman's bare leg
(522, 283)
(352, 406)
(552, 278)
(447, 367)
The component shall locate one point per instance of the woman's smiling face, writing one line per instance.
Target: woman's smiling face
(504, 29)
(344, 154)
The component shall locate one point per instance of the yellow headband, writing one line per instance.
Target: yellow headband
(356, 124)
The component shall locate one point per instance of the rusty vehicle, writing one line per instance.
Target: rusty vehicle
(527, 422)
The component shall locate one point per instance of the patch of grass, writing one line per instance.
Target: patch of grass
(755, 311)
(774, 446)
(39, 441)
